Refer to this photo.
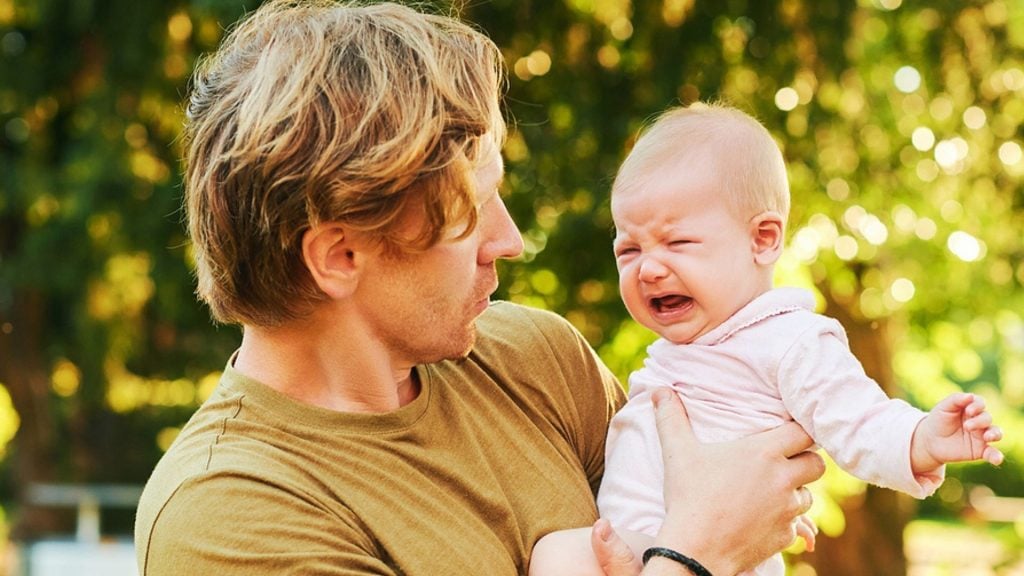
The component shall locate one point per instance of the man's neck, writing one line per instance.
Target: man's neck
(317, 364)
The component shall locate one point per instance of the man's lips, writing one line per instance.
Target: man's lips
(485, 299)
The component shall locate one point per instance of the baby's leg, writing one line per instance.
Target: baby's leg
(569, 553)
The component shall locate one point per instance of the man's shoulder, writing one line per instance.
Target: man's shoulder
(507, 319)
(512, 333)
(506, 310)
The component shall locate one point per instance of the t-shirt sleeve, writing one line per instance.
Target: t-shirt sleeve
(868, 434)
(267, 529)
(590, 397)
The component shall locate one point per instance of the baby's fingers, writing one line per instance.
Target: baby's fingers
(975, 406)
(993, 455)
(993, 434)
(978, 422)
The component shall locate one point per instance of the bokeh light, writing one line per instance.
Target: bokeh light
(965, 246)
(787, 99)
(907, 79)
(923, 138)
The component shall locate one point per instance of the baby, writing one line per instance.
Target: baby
(700, 208)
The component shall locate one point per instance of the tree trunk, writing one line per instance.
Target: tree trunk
(24, 371)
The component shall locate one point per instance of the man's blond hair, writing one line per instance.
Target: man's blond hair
(319, 110)
(746, 156)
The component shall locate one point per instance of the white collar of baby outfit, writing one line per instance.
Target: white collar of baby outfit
(771, 303)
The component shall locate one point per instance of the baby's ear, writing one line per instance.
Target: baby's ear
(766, 237)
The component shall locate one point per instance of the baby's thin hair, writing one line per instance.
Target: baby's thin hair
(749, 160)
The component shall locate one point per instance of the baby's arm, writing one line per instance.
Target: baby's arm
(569, 553)
(957, 429)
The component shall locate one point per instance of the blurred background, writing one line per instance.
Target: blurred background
(901, 122)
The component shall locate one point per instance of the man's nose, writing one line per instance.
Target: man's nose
(501, 237)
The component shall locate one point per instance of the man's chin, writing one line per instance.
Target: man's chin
(469, 342)
(460, 348)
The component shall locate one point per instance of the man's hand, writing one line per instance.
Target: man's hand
(808, 530)
(614, 555)
(730, 505)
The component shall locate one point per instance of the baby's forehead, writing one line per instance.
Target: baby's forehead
(668, 145)
(675, 163)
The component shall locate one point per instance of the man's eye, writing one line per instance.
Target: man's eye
(625, 252)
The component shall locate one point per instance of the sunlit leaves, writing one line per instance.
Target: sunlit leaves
(66, 378)
(900, 123)
(674, 12)
(127, 392)
(179, 27)
(125, 288)
(9, 421)
(536, 63)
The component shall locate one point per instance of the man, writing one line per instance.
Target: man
(381, 416)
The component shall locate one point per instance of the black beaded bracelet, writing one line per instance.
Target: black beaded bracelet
(691, 564)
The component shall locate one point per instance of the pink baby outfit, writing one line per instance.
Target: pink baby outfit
(773, 361)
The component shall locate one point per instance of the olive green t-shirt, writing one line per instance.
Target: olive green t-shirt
(497, 450)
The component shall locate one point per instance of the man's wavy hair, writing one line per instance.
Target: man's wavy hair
(320, 110)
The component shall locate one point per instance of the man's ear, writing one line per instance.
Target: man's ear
(766, 237)
(330, 257)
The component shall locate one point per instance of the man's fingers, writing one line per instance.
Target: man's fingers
(614, 556)
(808, 530)
(673, 423)
(806, 467)
(790, 437)
(805, 498)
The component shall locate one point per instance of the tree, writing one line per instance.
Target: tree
(101, 340)
(900, 126)
(899, 121)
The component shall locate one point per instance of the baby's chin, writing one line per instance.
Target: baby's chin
(679, 335)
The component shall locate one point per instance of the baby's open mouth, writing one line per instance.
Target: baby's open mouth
(670, 303)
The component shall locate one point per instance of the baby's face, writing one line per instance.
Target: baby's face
(686, 262)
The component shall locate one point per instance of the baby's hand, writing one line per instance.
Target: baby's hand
(806, 529)
(958, 429)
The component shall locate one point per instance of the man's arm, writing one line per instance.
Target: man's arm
(729, 505)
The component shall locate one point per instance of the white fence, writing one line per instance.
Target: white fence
(88, 552)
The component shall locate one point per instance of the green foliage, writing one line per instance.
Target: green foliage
(95, 270)
(907, 205)
(9, 421)
(900, 122)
